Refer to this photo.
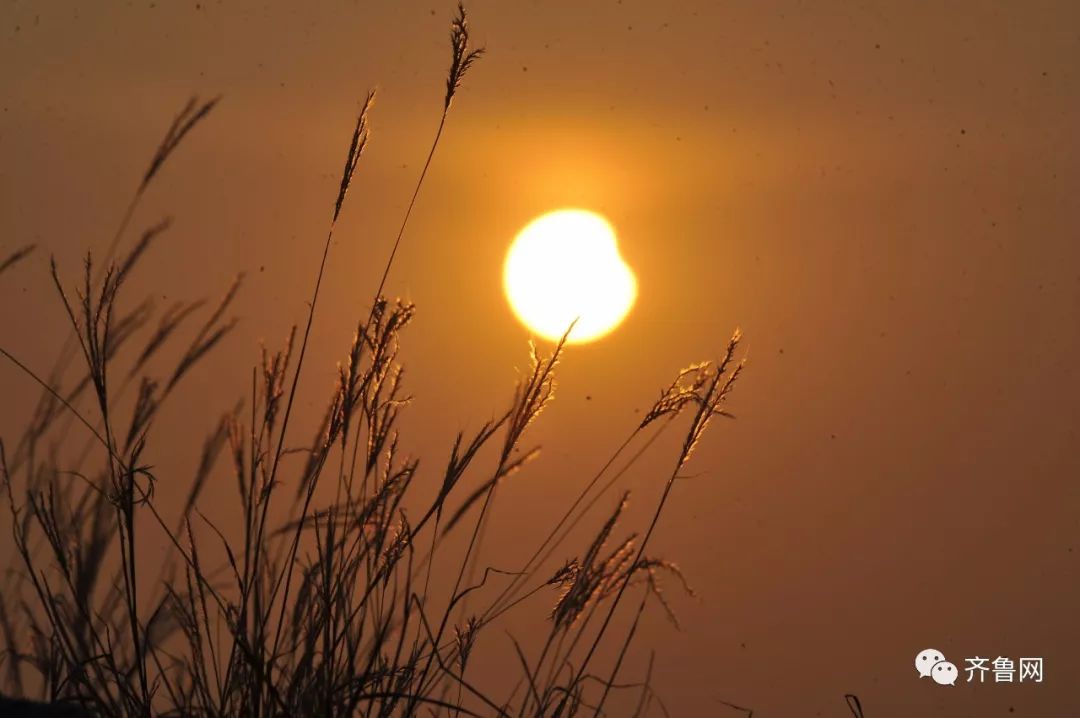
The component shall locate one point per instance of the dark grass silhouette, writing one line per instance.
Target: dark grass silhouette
(18, 708)
(333, 611)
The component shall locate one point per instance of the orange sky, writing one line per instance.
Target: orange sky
(882, 195)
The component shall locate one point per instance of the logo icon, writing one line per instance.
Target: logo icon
(931, 663)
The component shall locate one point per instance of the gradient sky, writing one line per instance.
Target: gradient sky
(883, 196)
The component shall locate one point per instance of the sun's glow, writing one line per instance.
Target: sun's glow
(565, 265)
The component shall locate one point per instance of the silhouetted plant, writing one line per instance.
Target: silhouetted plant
(332, 611)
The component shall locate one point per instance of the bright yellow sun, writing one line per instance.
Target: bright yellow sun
(565, 265)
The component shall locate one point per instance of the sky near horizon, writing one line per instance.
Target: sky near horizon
(882, 196)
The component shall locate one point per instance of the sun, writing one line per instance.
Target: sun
(565, 266)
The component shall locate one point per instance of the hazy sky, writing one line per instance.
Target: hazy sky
(883, 196)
